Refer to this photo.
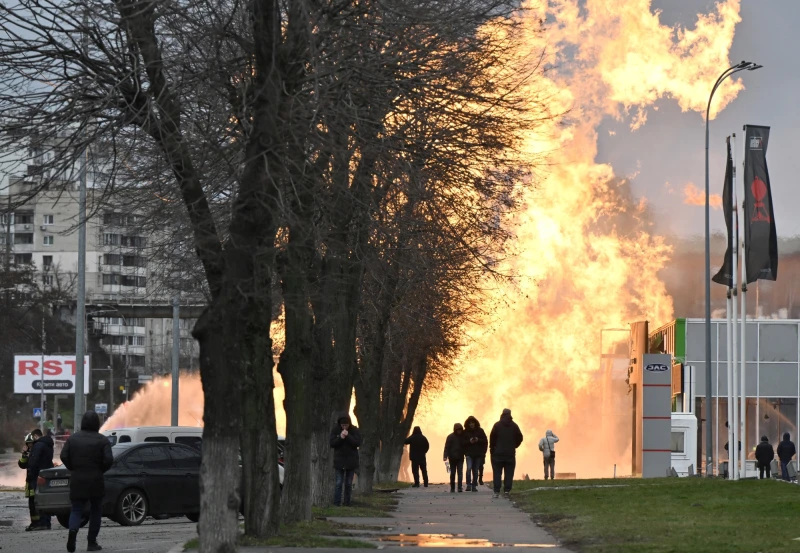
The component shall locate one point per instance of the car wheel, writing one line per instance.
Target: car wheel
(63, 520)
(131, 508)
(194, 517)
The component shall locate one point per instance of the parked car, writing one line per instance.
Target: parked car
(188, 435)
(146, 479)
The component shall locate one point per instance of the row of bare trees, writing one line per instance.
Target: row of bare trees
(352, 163)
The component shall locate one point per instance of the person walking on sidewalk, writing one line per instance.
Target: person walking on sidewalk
(547, 446)
(454, 455)
(345, 440)
(786, 451)
(39, 458)
(87, 455)
(475, 443)
(504, 440)
(764, 456)
(417, 448)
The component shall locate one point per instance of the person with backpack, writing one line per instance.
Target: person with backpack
(454, 456)
(417, 449)
(786, 450)
(548, 449)
(475, 443)
(764, 456)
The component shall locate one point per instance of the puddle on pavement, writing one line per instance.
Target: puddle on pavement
(452, 540)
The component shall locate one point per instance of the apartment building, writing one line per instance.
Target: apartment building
(43, 233)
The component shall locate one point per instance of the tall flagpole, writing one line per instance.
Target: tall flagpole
(743, 375)
(734, 445)
(728, 386)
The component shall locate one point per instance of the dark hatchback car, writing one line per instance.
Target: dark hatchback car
(146, 479)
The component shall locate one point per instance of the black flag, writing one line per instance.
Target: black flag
(725, 274)
(760, 235)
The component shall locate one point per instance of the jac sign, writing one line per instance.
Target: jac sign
(59, 374)
(656, 368)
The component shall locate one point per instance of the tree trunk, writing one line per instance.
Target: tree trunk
(295, 368)
(219, 478)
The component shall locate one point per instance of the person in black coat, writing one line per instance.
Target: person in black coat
(345, 440)
(87, 455)
(764, 456)
(504, 440)
(454, 454)
(474, 442)
(418, 447)
(786, 451)
(39, 459)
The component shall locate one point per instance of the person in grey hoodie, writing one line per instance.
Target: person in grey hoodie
(547, 446)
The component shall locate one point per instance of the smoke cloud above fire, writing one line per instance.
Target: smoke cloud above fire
(586, 255)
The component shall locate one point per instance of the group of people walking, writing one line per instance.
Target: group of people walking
(87, 455)
(468, 445)
(765, 454)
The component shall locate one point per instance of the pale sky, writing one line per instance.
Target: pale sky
(670, 147)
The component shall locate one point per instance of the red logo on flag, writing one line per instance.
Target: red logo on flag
(759, 189)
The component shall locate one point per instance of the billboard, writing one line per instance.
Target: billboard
(59, 374)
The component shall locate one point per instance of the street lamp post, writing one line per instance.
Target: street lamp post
(749, 66)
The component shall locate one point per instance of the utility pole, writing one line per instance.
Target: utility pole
(41, 377)
(176, 349)
(80, 398)
(8, 249)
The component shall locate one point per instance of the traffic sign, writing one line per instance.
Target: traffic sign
(37, 412)
(101, 408)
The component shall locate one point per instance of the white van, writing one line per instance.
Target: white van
(187, 435)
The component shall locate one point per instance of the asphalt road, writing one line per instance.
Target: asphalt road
(154, 536)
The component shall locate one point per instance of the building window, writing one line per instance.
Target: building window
(136, 360)
(111, 259)
(111, 279)
(121, 219)
(133, 241)
(47, 280)
(135, 321)
(677, 442)
(7, 218)
(114, 340)
(47, 262)
(137, 281)
(47, 240)
(24, 218)
(133, 261)
(110, 239)
(23, 258)
(135, 340)
(47, 219)
(23, 238)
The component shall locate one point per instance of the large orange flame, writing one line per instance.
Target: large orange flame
(586, 258)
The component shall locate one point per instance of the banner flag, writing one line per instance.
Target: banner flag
(760, 235)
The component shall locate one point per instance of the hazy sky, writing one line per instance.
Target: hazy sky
(670, 147)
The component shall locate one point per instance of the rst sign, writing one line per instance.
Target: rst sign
(59, 374)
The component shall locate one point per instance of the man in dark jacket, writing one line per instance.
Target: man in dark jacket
(87, 455)
(454, 455)
(764, 456)
(786, 451)
(504, 440)
(40, 458)
(417, 448)
(475, 442)
(345, 440)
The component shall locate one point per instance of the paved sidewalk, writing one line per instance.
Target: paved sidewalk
(434, 517)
